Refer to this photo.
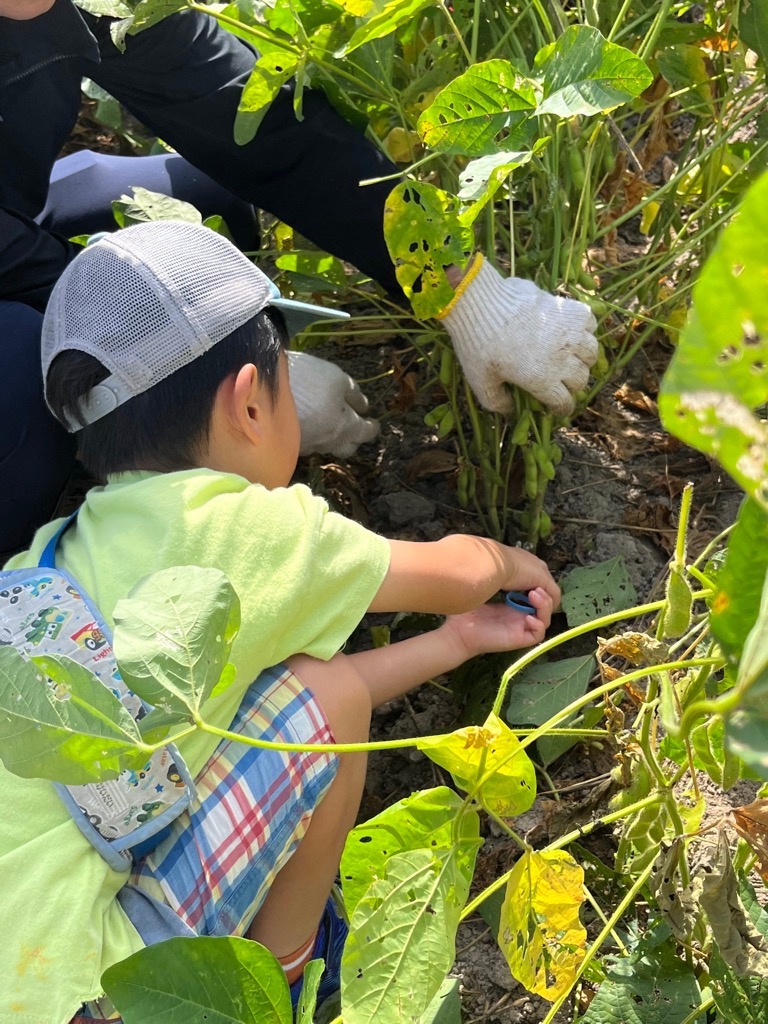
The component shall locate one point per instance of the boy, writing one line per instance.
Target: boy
(165, 348)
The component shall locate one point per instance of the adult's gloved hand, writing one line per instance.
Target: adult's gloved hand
(508, 331)
(330, 405)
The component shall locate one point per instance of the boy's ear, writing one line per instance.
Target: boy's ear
(246, 398)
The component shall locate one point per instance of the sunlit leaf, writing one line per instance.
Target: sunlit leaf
(216, 980)
(402, 938)
(106, 8)
(424, 236)
(585, 74)
(540, 933)
(146, 206)
(468, 114)
(173, 635)
(269, 74)
(718, 376)
(387, 20)
(423, 821)
(491, 752)
(75, 731)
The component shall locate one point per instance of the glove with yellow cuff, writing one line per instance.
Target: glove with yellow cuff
(508, 331)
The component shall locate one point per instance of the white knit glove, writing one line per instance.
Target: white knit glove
(330, 405)
(507, 331)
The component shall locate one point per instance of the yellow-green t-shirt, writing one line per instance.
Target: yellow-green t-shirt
(305, 576)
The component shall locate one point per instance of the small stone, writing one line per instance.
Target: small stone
(405, 507)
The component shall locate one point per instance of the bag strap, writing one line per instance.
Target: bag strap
(48, 557)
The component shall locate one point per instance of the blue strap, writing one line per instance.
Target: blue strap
(48, 557)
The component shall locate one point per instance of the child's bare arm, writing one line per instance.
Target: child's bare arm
(456, 574)
(393, 670)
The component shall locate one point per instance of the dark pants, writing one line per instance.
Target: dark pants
(36, 455)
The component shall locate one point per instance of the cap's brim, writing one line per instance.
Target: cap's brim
(299, 315)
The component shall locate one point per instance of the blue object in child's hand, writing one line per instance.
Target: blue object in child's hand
(519, 601)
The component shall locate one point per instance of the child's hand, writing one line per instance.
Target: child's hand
(528, 573)
(496, 627)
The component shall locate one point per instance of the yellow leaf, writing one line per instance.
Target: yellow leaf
(402, 146)
(540, 933)
(357, 8)
(650, 213)
(474, 753)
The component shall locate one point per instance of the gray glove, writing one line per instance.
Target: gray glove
(508, 331)
(330, 405)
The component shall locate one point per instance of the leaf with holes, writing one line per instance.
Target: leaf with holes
(173, 635)
(428, 820)
(595, 590)
(424, 236)
(468, 115)
(585, 74)
(71, 729)
(652, 985)
(217, 980)
(269, 75)
(402, 938)
(718, 376)
(490, 752)
(540, 933)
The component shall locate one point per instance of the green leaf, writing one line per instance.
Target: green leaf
(75, 731)
(106, 8)
(493, 169)
(543, 689)
(312, 977)
(217, 223)
(149, 12)
(596, 590)
(686, 70)
(423, 821)
(424, 235)
(150, 206)
(108, 110)
(402, 938)
(585, 74)
(710, 754)
(719, 373)
(753, 26)
(387, 20)
(310, 263)
(650, 986)
(269, 74)
(468, 114)
(747, 728)
(740, 580)
(445, 1008)
(216, 980)
(173, 636)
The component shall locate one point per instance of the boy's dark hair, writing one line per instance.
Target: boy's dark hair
(165, 428)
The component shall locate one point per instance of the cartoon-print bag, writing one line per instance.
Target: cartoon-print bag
(45, 611)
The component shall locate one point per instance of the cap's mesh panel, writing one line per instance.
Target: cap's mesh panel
(150, 299)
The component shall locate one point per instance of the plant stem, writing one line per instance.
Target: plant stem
(694, 1015)
(562, 638)
(454, 26)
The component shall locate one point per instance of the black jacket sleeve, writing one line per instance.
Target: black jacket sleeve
(31, 259)
(183, 78)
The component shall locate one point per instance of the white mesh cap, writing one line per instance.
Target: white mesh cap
(149, 299)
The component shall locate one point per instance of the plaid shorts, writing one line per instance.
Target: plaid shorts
(252, 809)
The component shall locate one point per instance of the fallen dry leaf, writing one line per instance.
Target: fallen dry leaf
(635, 399)
(751, 822)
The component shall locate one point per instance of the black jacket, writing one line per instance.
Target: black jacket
(182, 78)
